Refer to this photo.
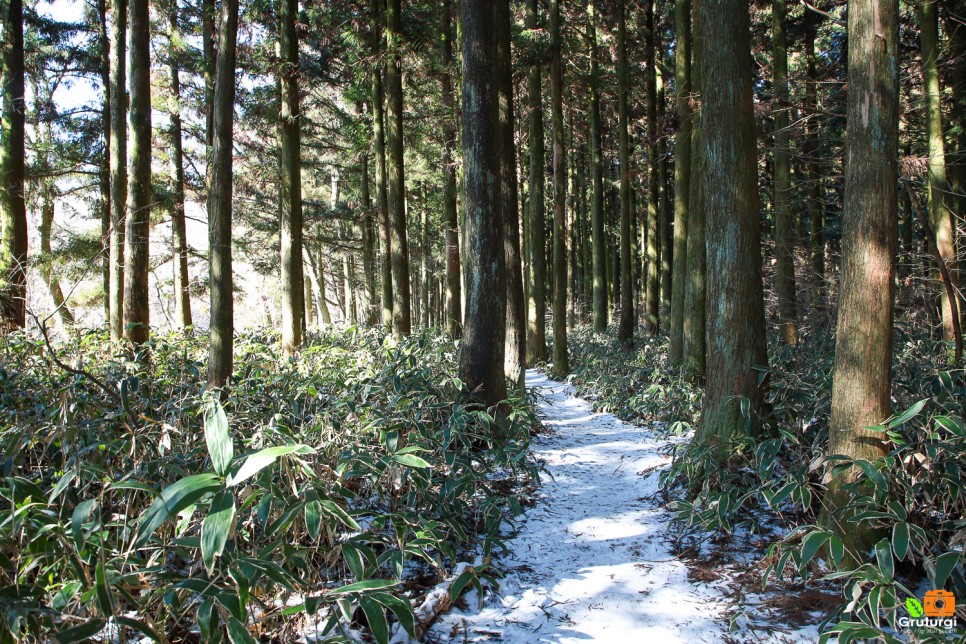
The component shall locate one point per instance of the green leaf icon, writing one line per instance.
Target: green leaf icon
(914, 607)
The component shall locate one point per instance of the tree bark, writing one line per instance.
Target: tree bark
(13, 211)
(105, 161)
(220, 356)
(137, 312)
(863, 346)
(652, 287)
(682, 174)
(454, 295)
(625, 332)
(561, 360)
(597, 169)
(118, 162)
(179, 241)
(290, 193)
(379, 147)
(399, 247)
(537, 308)
(784, 217)
(816, 207)
(735, 304)
(482, 351)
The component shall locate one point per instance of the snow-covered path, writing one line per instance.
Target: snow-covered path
(590, 561)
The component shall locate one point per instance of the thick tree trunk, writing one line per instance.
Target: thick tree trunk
(863, 346)
(454, 295)
(105, 161)
(179, 241)
(13, 211)
(561, 359)
(379, 148)
(399, 251)
(290, 194)
(482, 351)
(682, 174)
(652, 286)
(816, 206)
(735, 303)
(516, 315)
(219, 225)
(137, 311)
(368, 243)
(939, 213)
(784, 217)
(118, 163)
(693, 339)
(537, 308)
(626, 327)
(597, 172)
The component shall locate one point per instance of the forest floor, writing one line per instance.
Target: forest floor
(596, 558)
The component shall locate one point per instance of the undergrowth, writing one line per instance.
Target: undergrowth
(316, 487)
(914, 498)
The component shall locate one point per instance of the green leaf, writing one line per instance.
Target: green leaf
(362, 586)
(173, 499)
(900, 539)
(262, 459)
(333, 509)
(81, 515)
(811, 544)
(376, 616)
(410, 460)
(103, 591)
(216, 527)
(139, 626)
(218, 438)
(461, 582)
(401, 608)
(313, 518)
(883, 556)
(914, 606)
(238, 634)
(836, 548)
(945, 564)
(907, 414)
(952, 424)
(81, 632)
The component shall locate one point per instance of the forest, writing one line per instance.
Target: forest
(482, 320)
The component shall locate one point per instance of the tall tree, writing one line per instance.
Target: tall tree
(13, 210)
(816, 209)
(561, 359)
(516, 315)
(137, 310)
(220, 194)
(682, 173)
(118, 161)
(651, 290)
(290, 194)
(454, 296)
(377, 103)
(104, 177)
(626, 326)
(784, 217)
(179, 240)
(482, 351)
(597, 172)
(396, 198)
(735, 303)
(536, 309)
(863, 338)
(939, 213)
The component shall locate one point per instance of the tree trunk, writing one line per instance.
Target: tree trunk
(516, 315)
(454, 295)
(179, 241)
(482, 351)
(735, 304)
(863, 346)
(13, 211)
(816, 207)
(118, 162)
(682, 174)
(597, 169)
(368, 242)
(561, 360)
(625, 331)
(784, 217)
(536, 310)
(652, 287)
(290, 184)
(137, 312)
(425, 257)
(379, 147)
(401, 316)
(220, 191)
(939, 214)
(104, 177)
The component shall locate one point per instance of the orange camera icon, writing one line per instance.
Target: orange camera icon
(939, 603)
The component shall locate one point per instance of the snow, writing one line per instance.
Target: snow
(591, 561)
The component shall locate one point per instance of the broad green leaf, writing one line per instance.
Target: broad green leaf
(376, 616)
(883, 556)
(362, 586)
(238, 634)
(908, 414)
(218, 438)
(262, 459)
(333, 509)
(81, 632)
(173, 499)
(313, 518)
(952, 424)
(461, 582)
(900, 539)
(945, 564)
(401, 608)
(836, 548)
(410, 460)
(216, 527)
(139, 626)
(103, 591)
(81, 515)
(811, 544)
